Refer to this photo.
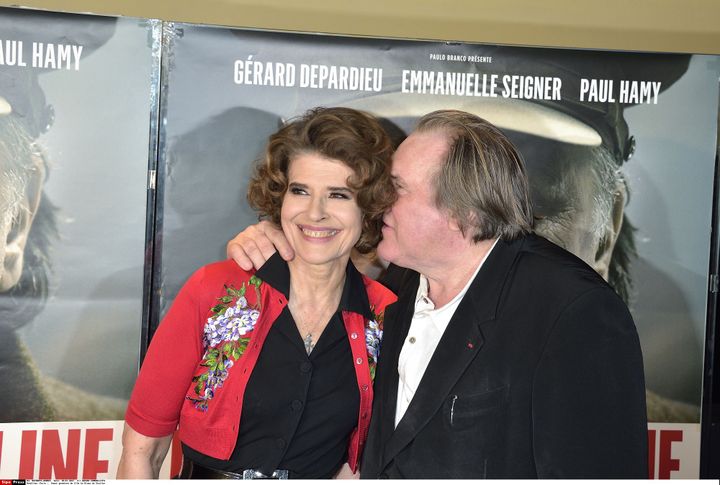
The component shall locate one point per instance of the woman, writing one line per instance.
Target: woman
(269, 374)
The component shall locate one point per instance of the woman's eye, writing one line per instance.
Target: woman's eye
(339, 195)
(297, 191)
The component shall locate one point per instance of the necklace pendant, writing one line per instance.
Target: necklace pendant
(309, 345)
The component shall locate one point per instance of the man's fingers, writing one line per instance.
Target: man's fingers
(258, 251)
(256, 244)
(279, 242)
(265, 247)
(239, 255)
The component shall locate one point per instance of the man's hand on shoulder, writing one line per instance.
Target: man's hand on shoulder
(253, 246)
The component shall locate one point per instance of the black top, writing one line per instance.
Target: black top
(298, 410)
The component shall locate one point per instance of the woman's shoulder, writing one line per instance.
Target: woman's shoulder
(226, 267)
(219, 274)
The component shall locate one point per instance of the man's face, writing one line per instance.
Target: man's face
(574, 229)
(568, 206)
(416, 231)
(19, 199)
(6, 216)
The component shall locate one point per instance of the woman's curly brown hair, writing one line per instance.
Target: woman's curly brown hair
(353, 137)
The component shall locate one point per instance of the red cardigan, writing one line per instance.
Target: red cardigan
(165, 394)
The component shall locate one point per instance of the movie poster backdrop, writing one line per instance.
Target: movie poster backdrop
(76, 95)
(620, 149)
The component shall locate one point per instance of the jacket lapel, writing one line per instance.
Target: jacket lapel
(398, 318)
(459, 345)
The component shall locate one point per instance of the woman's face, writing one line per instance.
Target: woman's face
(320, 216)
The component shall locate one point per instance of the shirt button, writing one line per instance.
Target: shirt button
(305, 367)
(364, 387)
(280, 443)
(411, 340)
(358, 361)
(353, 335)
(296, 405)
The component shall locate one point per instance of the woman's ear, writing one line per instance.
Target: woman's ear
(20, 224)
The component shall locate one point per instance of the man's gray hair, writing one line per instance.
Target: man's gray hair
(483, 183)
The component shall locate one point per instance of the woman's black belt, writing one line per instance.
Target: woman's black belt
(190, 469)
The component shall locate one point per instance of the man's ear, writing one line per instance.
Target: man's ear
(20, 226)
(607, 242)
(454, 224)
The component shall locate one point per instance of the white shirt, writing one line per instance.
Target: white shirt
(426, 329)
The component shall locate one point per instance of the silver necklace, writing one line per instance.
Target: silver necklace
(309, 344)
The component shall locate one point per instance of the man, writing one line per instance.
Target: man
(505, 356)
(23, 261)
(575, 153)
(28, 229)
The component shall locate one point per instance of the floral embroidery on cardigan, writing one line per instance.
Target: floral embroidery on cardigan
(225, 338)
(227, 333)
(373, 338)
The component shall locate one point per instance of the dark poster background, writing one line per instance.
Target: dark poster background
(225, 91)
(76, 97)
(75, 145)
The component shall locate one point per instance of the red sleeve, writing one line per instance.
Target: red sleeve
(170, 363)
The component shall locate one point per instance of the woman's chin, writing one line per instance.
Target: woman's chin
(321, 258)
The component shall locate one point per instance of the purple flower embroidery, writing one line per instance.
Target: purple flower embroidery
(373, 338)
(227, 333)
(225, 338)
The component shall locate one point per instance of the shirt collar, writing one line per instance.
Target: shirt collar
(422, 299)
(276, 273)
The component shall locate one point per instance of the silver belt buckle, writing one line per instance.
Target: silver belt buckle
(253, 474)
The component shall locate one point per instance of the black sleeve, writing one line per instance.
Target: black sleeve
(588, 412)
